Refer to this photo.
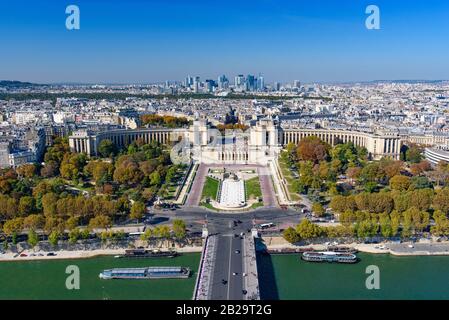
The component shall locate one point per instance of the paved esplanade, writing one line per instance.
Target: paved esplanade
(222, 271)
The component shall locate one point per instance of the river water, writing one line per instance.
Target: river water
(281, 277)
(415, 277)
(46, 279)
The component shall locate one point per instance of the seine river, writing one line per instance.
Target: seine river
(281, 277)
(46, 279)
(288, 277)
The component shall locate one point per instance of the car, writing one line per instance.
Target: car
(51, 254)
(236, 235)
(244, 274)
(223, 281)
(237, 251)
(244, 291)
(239, 221)
(23, 255)
(234, 273)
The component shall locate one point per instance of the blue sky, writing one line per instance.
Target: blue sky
(137, 41)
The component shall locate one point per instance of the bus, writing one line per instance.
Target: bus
(266, 225)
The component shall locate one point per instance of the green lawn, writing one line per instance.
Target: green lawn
(210, 188)
(286, 172)
(257, 205)
(208, 205)
(252, 188)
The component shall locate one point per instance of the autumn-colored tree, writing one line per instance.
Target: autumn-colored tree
(400, 182)
(33, 222)
(291, 235)
(101, 221)
(317, 209)
(107, 148)
(179, 228)
(26, 170)
(441, 200)
(137, 210)
(13, 226)
(308, 230)
(312, 149)
(127, 170)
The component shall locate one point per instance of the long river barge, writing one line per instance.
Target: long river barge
(146, 273)
(144, 253)
(329, 256)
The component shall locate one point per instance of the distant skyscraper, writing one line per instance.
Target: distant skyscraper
(223, 82)
(210, 85)
(196, 84)
(261, 83)
(277, 86)
(296, 84)
(250, 83)
(239, 81)
(188, 81)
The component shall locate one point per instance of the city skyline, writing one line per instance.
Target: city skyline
(148, 42)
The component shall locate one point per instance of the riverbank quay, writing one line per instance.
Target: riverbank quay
(88, 249)
(421, 248)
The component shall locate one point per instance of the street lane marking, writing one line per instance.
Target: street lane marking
(230, 258)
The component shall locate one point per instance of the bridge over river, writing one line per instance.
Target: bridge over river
(228, 269)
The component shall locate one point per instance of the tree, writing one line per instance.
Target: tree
(413, 154)
(318, 209)
(441, 200)
(72, 223)
(400, 182)
(26, 170)
(179, 228)
(50, 169)
(137, 210)
(395, 218)
(421, 199)
(72, 165)
(385, 226)
(74, 235)
(33, 238)
(147, 234)
(34, 221)
(13, 226)
(100, 221)
(441, 227)
(353, 173)
(127, 171)
(341, 204)
(308, 230)
(391, 168)
(312, 149)
(26, 205)
(155, 178)
(107, 148)
(162, 232)
(366, 229)
(49, 201)
(291, 235)
(53, 238)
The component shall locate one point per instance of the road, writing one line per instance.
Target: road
(219, 222)
(194, 196)
(228, 263)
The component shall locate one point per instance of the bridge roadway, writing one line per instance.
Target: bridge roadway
(228, 267)
(225, 259)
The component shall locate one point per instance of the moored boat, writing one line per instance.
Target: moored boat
(329, 256)
(146, 273)
(144, 253)
(342, 249)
